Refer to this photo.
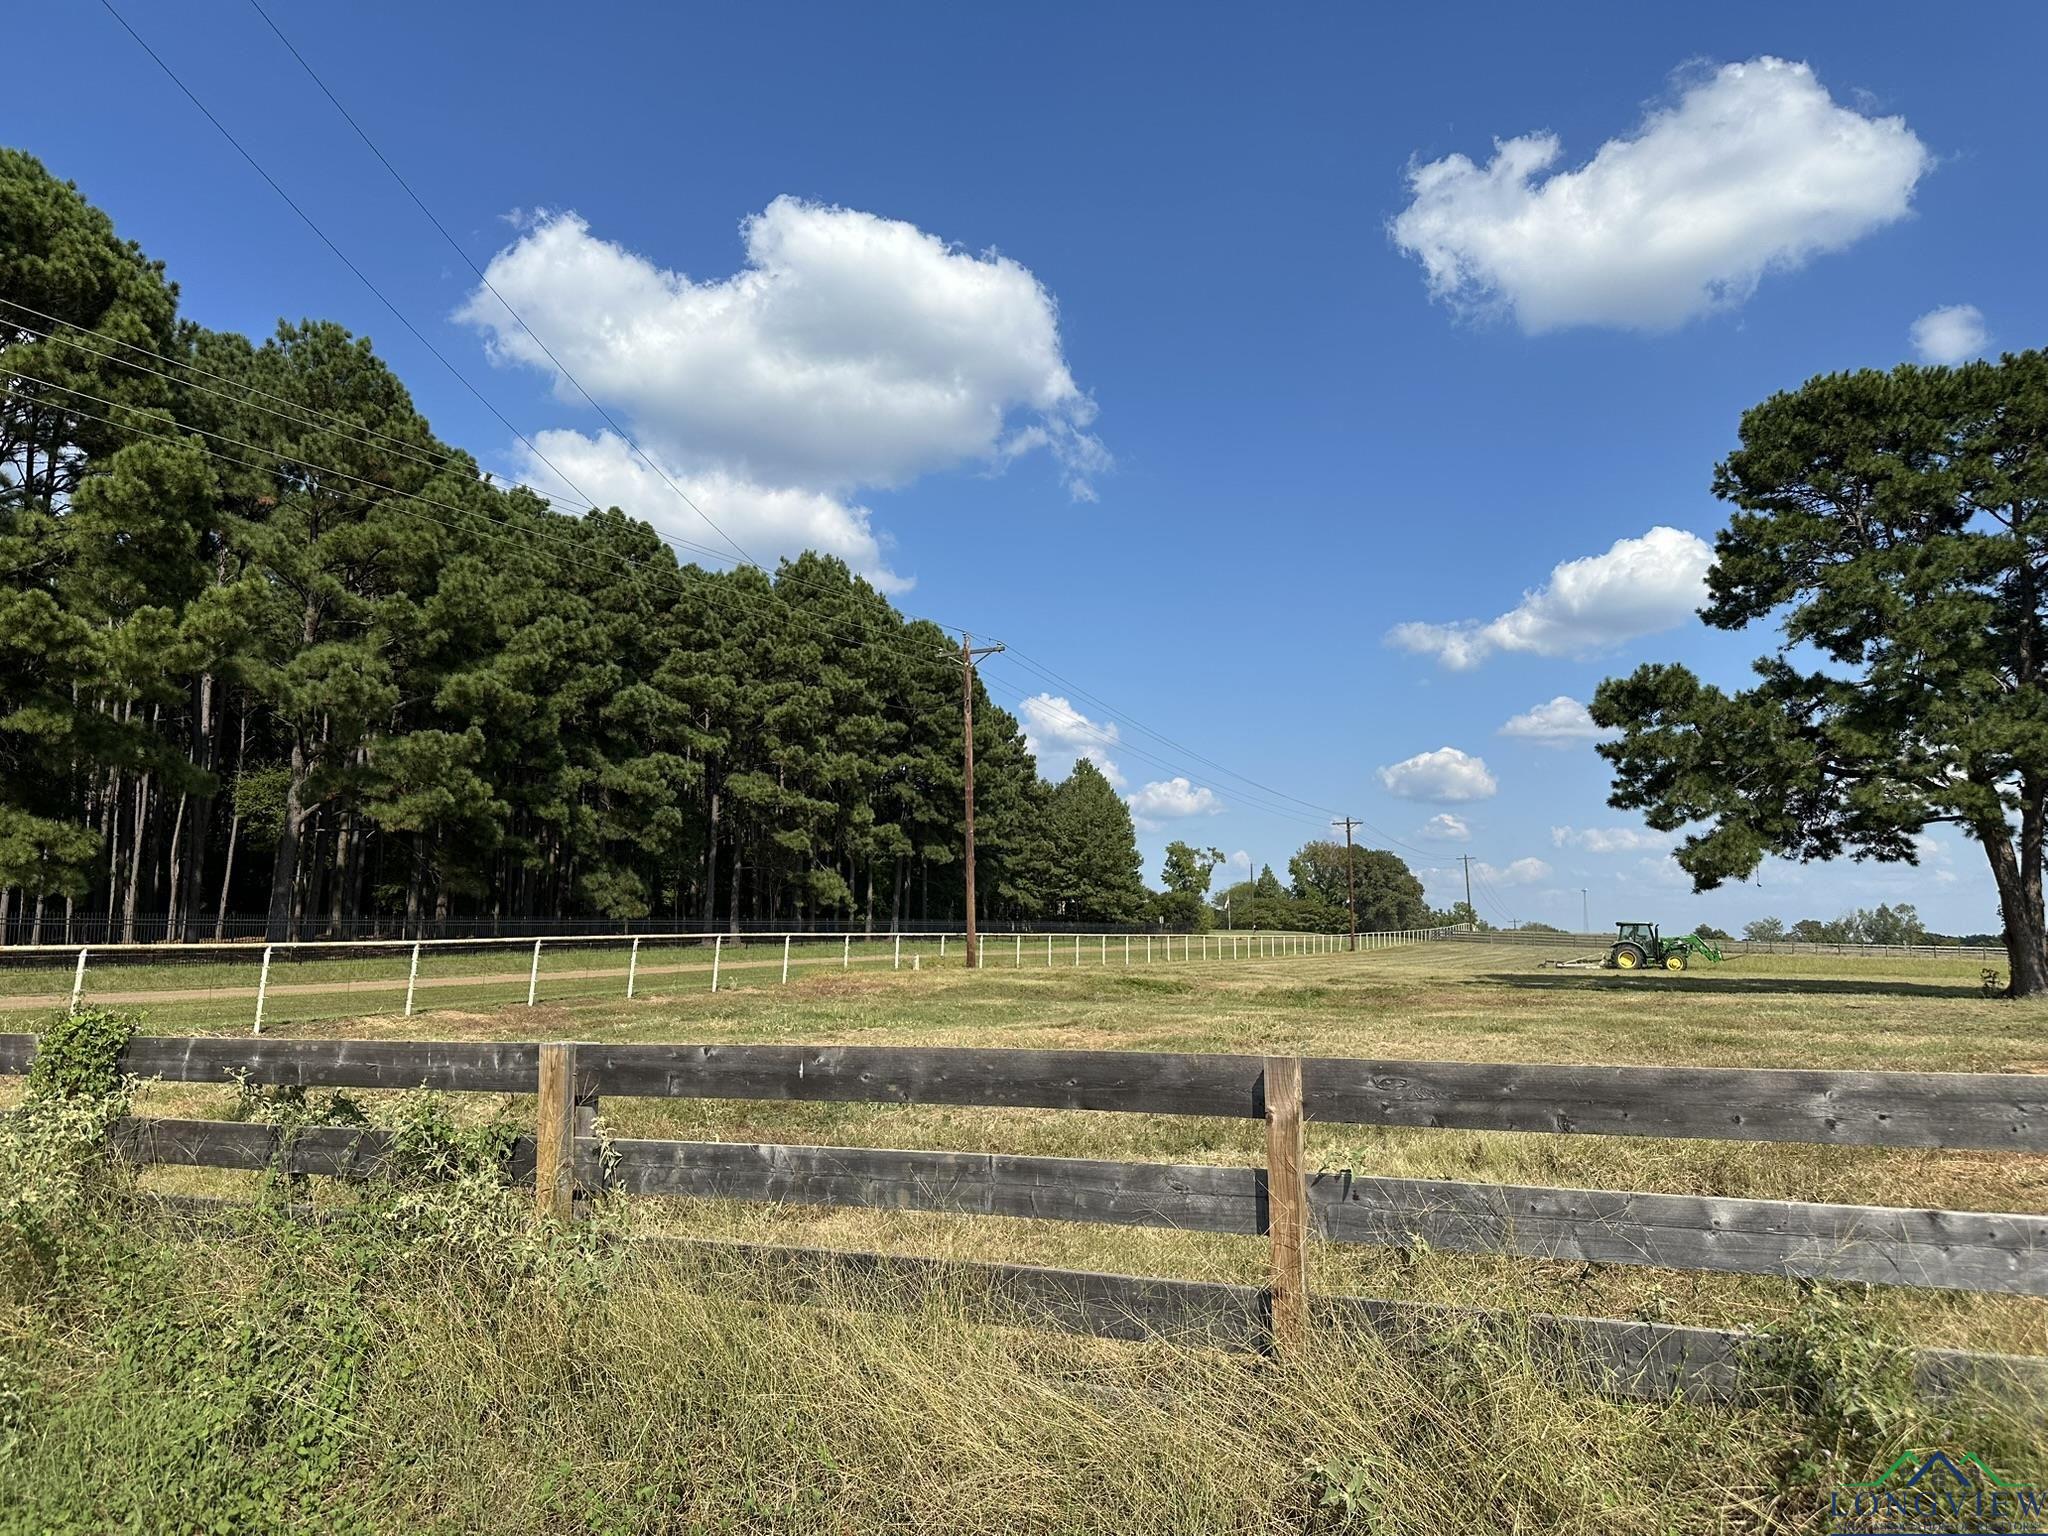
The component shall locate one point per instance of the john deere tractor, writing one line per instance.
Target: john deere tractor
(1637, 947)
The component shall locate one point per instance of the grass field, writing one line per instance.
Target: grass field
(1442, 1002)
(481, 1403)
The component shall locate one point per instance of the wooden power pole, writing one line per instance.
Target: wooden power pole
(1350, 877)
(968, 655)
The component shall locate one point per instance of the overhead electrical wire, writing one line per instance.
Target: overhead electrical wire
(380, 494)
(542, 458)
(484, 278)
(339, 254)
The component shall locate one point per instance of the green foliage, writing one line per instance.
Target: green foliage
(56, 1181)
(1895, 528)
(1095, 869)
(78, 1054)
(1848, 1388)
(392, 685)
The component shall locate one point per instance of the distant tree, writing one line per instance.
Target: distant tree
(1709, 931)
(1186, 877)
(1891, 925)
(1459, 914)
(1096, 867)
(1896, 524)
(1764, 930)
(1535, 927)
(1389, 895)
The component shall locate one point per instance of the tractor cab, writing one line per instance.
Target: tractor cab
(1637, 946)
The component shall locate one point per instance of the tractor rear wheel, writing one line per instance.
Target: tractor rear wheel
(1627, 957)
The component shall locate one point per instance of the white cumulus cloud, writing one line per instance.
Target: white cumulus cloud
(1172, 799)
(1446, 828)
(1950, 335)
(1638, 587)
(764, 519)
(1753, 168)
(1612, 839)
(1445, 777)
(1563, 722)
(849, 351)
(1056, 734)
(1520, 872)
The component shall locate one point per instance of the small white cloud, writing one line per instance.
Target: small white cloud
(1951, 335)
(1611, 839)
(1172, 800)
(1056, 734)
(1445, 777)
(1754, 168)
(1638, 587)
(1563, 722)
(1446, 828)
(1520, 872)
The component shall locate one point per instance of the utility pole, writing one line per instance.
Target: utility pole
(1466, 860)
(1350, 877)
(968, 654)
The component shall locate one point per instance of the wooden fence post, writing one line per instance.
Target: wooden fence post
(78, 982)
(846, 952)
(717, 954)
(554, 1139)
(1286, 1203)
(412, 979)
(785, 959)
(533, 976)
(632, 969)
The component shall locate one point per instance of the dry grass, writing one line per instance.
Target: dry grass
(404, 1390)
(1462, 1002)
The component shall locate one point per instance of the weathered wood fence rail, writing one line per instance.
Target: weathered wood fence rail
(1286, 1201)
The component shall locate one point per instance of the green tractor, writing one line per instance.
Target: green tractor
(1637, 947)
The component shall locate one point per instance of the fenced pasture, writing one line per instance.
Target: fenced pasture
(217, 985)
(1529, 1211)
(1494, 1133)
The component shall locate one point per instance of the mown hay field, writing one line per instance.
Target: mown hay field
(441, 1367)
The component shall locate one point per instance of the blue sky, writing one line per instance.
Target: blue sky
(1112, 333)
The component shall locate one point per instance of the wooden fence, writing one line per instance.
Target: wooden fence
(1284, 1201)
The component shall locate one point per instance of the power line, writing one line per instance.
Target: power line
(364, 278)
(880, 639)
(484, 278)
(560, 367)
(339, 254)
(385, 495)
(308, 415)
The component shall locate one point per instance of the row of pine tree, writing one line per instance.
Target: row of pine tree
(269, 647)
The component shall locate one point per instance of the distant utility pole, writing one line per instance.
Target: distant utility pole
(968, 655)
(1585, 912)
(1350, 876)
(1466, 860)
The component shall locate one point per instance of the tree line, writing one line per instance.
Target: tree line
(1882, 924)
(269, 645)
